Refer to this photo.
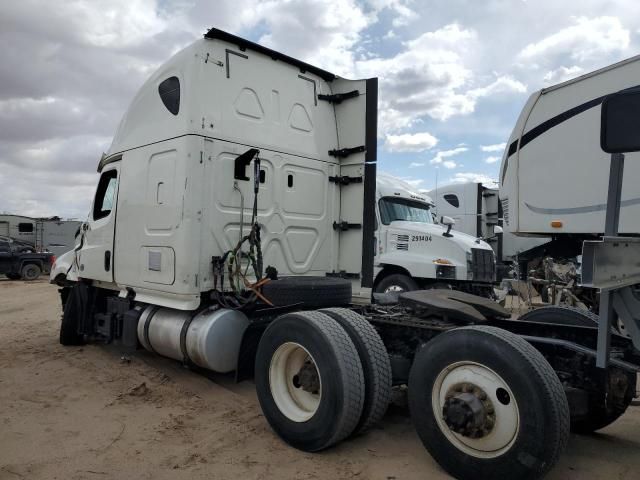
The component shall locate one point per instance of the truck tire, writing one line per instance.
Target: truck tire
(486, 404)
(562, 315)
(309, 380)
(30, 272)
(71, 316)
(311, 292)
(375, 365)
(396, 282)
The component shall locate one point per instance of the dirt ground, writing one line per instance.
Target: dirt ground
(87, 413)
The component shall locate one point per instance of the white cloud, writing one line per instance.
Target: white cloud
(585, 39)
(492, 159)
(322, 32)
(441, 155)
(467, 177)
(410, 142)
(497, 147)
(561, 74)
(503, 84)
(416, 164)
(450, 164)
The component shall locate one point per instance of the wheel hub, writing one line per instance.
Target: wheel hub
(307, 378)
(468, 411)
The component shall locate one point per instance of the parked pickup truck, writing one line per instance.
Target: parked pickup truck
(17, 262)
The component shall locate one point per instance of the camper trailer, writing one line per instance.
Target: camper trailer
(554, 174)
(235, 232)
(43, 234)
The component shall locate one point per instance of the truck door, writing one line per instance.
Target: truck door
(95, 258)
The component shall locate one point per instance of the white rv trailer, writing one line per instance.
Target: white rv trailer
(254, 159)
(51, 234)
(553, 176)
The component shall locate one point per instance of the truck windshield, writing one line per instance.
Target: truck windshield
(392, 209)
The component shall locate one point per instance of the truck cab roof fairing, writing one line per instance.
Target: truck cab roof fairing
(246, 44)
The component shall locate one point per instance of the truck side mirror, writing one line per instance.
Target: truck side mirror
(620, 117)
(449, 222)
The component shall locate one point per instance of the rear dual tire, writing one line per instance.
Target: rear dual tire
(309, 380)
(322, 376)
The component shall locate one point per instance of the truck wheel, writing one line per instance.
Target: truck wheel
(397, 282)
(562, 315)
(30, 272)
(312, 292)
(375, 365)
(486, 404)
(71, 316)
(309, 380)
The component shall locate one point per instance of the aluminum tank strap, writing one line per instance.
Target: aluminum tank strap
(183, 341)
(147, 322)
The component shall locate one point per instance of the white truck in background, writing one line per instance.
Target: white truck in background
(554, 174)
(235, 232)
(415, 252)
(476, 209)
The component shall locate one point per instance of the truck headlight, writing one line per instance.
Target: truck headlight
(442, 261)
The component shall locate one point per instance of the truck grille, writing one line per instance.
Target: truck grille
(483, 266)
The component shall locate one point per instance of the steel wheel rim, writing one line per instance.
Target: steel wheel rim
(507, 417)
(293, 401)
(393, 288)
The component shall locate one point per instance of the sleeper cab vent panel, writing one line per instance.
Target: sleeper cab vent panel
(402, 242)
(505, 210)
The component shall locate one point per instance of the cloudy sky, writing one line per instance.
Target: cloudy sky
(454, 75)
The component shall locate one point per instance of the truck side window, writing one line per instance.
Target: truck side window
(169, 91)
(25, 227)
(105, 195)
(452, 199)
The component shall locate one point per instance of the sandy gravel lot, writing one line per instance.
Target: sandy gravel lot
(84, 413)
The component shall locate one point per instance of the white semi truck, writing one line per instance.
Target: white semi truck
(414, 252)
(476, 209)
(233, 228)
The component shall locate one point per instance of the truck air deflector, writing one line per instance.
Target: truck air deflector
(243, 44)
(370, 158)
